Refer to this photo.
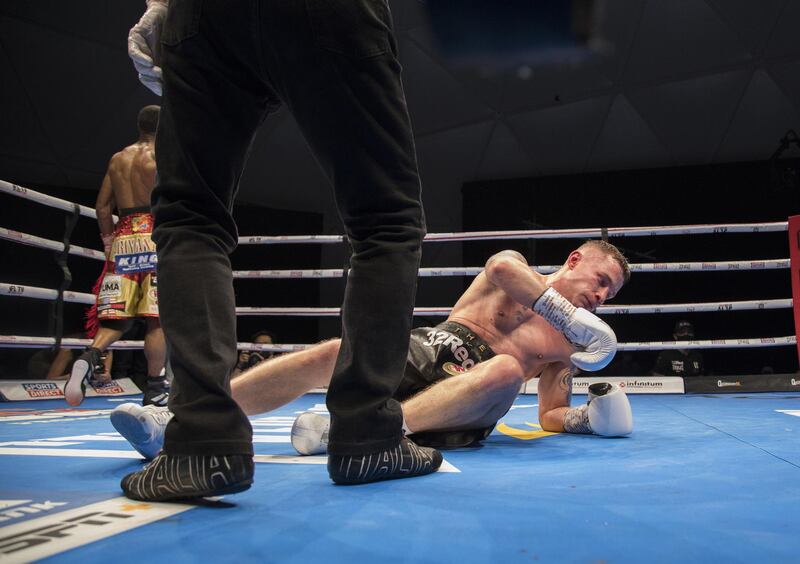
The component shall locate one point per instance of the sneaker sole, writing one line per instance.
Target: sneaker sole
(75, 390)
(129, 426)
(383, 478)
(229, 490)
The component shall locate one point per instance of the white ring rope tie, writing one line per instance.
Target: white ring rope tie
(17, 341)
(20, 291)
(581, 233)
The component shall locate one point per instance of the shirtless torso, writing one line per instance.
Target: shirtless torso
(497, 307)
(510, 328)
(130, 178)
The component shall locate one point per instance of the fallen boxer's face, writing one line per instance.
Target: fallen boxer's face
(592, 279)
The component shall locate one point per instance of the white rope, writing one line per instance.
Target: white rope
(579, 233)
(747, 305)
(434, 272)
(45, 199)
(582, 233)
(17, 341)
(22, 342)
(766, 264)
(319, 273)
(34, 241)
(712, 344)
(22, 291)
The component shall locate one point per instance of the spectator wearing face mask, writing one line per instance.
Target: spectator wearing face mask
(680, 362)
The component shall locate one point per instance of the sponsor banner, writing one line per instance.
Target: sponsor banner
(55, 533)
(25, 390)
(631, 384)
(747, 383)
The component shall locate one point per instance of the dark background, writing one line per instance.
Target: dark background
(643, 112)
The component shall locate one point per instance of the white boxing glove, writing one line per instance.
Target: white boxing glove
(581, 328)
(143, 44)
(607, 413)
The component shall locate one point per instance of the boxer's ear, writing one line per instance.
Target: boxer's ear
(573, 259)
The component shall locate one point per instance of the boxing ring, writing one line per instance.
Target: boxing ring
(704, 477)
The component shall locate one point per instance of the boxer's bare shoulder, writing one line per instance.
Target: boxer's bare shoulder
(508, 326)
(132, 172)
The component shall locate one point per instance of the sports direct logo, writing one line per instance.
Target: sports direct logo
(111, 388)
(43, 390)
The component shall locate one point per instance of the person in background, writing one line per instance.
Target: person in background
(128, 287)
(248, 359)
(680, 362)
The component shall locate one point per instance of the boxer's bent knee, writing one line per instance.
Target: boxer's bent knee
(503, 376)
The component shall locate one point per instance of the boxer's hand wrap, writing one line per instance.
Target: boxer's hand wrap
(107, 241)
(143, 45)
(607, 413)
(581, 328)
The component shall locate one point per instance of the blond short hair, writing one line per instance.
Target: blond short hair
(610, 250)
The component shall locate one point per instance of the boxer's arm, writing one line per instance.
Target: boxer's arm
(104, 207)
(594, 340)
(555, 396)
(509, 271)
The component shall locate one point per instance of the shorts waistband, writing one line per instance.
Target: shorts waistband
(133, 211)
(473, 341)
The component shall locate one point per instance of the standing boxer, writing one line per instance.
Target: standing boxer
(128, 289)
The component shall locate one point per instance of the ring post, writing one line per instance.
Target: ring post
(794, 254)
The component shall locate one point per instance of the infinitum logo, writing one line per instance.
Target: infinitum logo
(723, 384)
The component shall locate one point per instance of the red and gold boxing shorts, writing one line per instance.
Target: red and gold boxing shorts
(129, 287)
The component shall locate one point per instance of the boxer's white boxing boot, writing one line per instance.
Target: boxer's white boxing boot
(142, 426)
(83, 370)
(310, 433)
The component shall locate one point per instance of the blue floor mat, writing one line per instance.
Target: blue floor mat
(703, 478)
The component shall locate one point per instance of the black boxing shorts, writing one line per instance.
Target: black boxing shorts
(435, 354)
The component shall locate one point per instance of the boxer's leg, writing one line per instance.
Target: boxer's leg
(271, 384)
(473, 400)
(476, 399)
(89, 364)
(155, 351)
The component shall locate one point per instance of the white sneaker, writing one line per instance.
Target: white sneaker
(310, 433)
(142, 426)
